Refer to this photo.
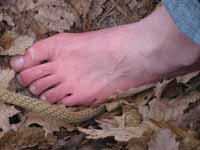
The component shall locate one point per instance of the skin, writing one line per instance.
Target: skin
(86, 68)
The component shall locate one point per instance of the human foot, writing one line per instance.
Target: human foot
(84, 69)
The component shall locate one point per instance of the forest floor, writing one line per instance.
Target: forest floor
(161, 116)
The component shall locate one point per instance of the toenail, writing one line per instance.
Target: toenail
(43, 98)
(32, 89)
(19, 62)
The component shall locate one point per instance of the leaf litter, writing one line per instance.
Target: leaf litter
(160, 116)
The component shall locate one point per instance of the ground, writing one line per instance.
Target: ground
(159, 116)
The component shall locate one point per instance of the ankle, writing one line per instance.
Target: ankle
(170, 49)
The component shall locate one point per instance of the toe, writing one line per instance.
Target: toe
(55, 94)
(43, 84)
(98, 102)
(38, 53)
(75, 100)
(27, 76)
(72, 100)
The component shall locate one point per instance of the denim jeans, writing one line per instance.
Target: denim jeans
(186, 14)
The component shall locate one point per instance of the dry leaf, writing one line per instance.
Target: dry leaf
(133, 4)
(169, 110)
(97, 8)
(138, 143)
(190, 119)
(6, 75)
(132, 118)
(140, 8)
(158, 110)
(160, 87)
(186, 78)
(5, 113)
(1, 16)
(49, 124)
(62, 18)
(6, 40)
(19, 44)
(116, 128)
(4, 16)
(189, 139)
(82, 6)
(27, 139)
(69, 143)
(120, 134)
(142, 98)
(173, 89)
(163, 140)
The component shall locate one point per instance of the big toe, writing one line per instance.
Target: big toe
(35, 55)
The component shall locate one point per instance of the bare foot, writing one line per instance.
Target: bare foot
(86, 68)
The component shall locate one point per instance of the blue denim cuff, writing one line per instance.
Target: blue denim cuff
(186, 14)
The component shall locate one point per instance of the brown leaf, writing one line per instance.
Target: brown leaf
(6, 17)
(159, 111)
(138, 144)
(163, 139)
(116, 128)
(82, 6)
(72, 143)
(190, 119)
(27, 138)
(49, 124)
(168, 110)
(18, 45)
(96, 9)
(160, 87)
(188, 138)
(186, 78)
(173, 89)
(120, 134)
(132, 118)
(62, 18)
(6, 75)
(5, 113)
(143, 97)
(1, 16)
(6, 40)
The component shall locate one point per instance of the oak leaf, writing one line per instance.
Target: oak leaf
(5, 113)
(18, 44)
(49, 124)
(6, 75)
(168, 110)
(116, 128)
(54, 15)
(163, 139)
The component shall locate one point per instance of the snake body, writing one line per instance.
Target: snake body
(45, 108)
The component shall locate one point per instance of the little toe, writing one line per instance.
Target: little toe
(43, 84)
(27, 76)
(55, 94)
(38, 53)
